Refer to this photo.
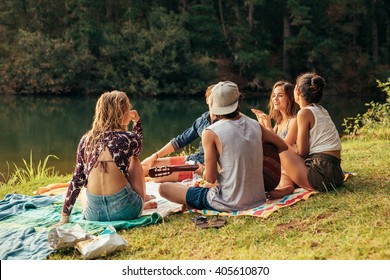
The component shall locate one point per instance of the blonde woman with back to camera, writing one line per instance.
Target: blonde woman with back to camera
(107, 164)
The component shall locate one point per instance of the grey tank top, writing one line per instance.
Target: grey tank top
(282, 134)
(240, 179)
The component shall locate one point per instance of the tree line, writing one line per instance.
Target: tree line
(181, 46)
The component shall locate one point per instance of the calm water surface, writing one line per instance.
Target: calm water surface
(54, 125)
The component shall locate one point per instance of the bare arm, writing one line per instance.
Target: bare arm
(304, 119)
(136, 177)
(166, 150)
(270, 137)
(210, 155)
(263, 118)
(291, 137)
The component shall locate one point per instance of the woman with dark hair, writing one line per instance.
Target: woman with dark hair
(318, 141)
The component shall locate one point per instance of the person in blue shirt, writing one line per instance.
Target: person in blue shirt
(184, 139)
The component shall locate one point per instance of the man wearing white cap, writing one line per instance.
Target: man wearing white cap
(234, 144)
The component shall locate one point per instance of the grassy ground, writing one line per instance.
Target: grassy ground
(351, 224)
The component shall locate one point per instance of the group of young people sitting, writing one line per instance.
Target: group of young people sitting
(230, 155)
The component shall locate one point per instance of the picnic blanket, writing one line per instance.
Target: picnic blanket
(266, 209)
(26, 221)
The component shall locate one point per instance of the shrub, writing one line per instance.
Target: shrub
(30, 172)
(375, 123)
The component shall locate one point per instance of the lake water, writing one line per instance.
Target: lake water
(50, 125)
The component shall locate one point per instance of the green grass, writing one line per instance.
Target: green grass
(351, 224)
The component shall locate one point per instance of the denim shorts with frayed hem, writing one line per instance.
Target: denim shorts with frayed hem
(196, 197)
(123, 205)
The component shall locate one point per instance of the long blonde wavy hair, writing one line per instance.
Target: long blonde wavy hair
(109, 111)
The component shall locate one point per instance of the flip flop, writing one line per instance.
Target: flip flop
(203, 222)
(217, 222)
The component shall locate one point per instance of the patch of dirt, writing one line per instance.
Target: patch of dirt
(323, 216)
(300, 225)
(314, 244)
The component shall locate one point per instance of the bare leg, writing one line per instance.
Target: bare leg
(285, 187)
(293, 164)
(175, 192)
(174, 177)
(296, 169)
(50, 187)
(145, 169)
(149, 197)
(137, 182)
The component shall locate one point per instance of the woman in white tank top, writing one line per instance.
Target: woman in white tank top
(318, 141)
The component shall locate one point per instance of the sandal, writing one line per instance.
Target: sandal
(217, 222)
(203, 222)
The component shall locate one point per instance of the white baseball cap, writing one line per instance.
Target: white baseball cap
(225, 98)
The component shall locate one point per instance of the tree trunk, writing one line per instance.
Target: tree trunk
(286, 36)
(374, 31)
(222, 20)
(183, 5)
(250, 14)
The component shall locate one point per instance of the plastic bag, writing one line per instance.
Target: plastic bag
(105, 243)
(59, 238)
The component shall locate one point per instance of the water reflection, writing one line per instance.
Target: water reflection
(54, 125)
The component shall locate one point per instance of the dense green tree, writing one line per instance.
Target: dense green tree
(153, 47)
(205, 32)
(38, 64)
(152, 56)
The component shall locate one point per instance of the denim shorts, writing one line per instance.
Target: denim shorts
(123, 205)
(196, 197)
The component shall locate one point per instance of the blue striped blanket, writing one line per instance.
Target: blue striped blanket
(26, 220)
